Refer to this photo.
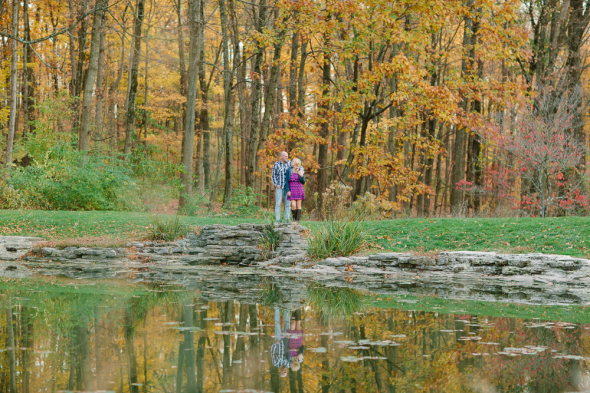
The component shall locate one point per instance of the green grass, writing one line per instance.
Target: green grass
(572, 314)
(564, 235)
(54, 225)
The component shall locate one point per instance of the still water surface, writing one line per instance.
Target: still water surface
(72, 335)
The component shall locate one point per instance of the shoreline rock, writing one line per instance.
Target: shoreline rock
(525, 278)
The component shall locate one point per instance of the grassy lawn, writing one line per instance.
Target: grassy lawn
(564, 235)
(54, 225)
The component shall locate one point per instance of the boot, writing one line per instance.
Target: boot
(298, 215)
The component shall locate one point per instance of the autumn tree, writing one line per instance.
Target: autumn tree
(539, 148)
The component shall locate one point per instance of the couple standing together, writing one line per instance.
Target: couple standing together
(288, 178)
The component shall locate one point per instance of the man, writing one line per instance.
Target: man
(279, 170)
(279, 351)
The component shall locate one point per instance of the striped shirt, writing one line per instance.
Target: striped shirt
(279, 170)
(279, 353)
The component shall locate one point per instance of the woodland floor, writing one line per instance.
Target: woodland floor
(563, 235)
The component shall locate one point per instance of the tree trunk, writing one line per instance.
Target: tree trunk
(256, 96)
(204, 113)
(189, 126)
(292, 90)
(28, 86)
(301, 80)
(146, 81)
(227, 108)
(132, 83)
(182, 64)
(363, 140)
(113, 123)
(13, 87)
(240, 70)
(577, 26)
(269, 99)
(84, 133)
(429, 167)
(82, 31)
(458, 171)
(98, 119)
(556, 24)
(324, 106)
(73, 67)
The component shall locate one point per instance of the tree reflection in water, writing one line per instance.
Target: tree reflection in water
(140, 338)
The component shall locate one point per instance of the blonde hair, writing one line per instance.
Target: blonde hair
(296, 163)
(295, 364)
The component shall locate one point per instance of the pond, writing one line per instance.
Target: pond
(60, 334)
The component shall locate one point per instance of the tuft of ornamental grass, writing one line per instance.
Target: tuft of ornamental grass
(270, 239)
(167, 229)
(336, 304)
(336, 239)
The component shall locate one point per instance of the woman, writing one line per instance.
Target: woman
(296, 347)
(295, 179)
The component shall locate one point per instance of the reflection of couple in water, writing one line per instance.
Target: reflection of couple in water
(287, 350)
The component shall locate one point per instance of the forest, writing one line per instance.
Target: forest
(408, 108)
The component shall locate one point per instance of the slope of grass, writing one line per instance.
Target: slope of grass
(563, 235)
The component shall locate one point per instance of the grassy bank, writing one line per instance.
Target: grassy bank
(564, 235)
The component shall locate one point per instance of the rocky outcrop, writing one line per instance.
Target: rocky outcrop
(214, 245)
(240, 245)
(525, 278)
(14, 247)
(485, 263)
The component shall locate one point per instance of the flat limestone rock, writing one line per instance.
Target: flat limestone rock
(20, 239)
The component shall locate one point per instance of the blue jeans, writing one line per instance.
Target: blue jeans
(281, 195)
(287, 317)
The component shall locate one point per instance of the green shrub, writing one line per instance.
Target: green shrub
(244, 203)
(70, 180)
(336, 239)
(167, 229)
(196, 205)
